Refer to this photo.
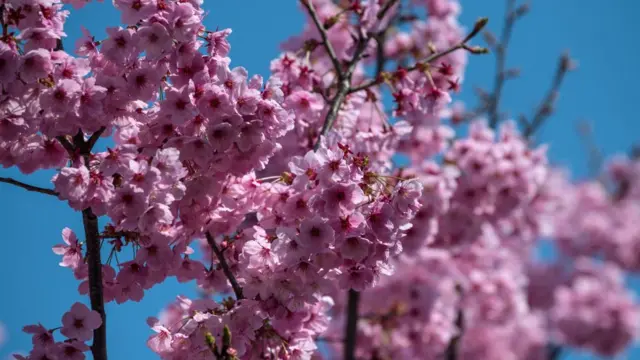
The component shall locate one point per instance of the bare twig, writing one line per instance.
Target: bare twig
(351, 327)
(594, 155)
(546, 105)
(493, 110)
(237, 289)
(323, 35)
(28, 187)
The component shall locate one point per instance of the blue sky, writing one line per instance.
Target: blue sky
(600, 35)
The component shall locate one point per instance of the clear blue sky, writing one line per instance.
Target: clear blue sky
(601, 36)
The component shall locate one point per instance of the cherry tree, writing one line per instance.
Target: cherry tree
(284, 200)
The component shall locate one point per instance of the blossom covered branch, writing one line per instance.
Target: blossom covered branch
(294, 182)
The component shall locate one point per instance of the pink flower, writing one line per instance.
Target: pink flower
(406, 196)
(222, 136)
(305, 104)
(155, 40)
(217, 43)
(161, 342)
(72, 252)
(41, 338)
(341, 199)
(355, 248)
(73, 350)
(316, 234)
(120, 45)
(63, 98)
(135, 10)
(143, 82)
(356, 278)
(36, 64)
(259, 252)
(156, 254)
(178, 105)
(80, 322)
(72, 183)
(214, 103)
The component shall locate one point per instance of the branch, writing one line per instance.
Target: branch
(554, 352)
(94, 137)
(237, 289)
(344, 86)
(385, 8)
(66, 144)
(323, 35)
(452, 349)
(351, 328)
(92, 235)
(482, 22)
(546, 105)
(28, 187)
(501, 53)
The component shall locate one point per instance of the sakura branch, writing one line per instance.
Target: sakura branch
(96, 292)
(351, 327)
(309, 226)
(423, 65)
(500, 49)
(545, 109)
(308, 4)
(237, 289)
(28, 187)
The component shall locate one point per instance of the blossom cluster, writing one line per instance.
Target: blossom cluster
(77, 327)
(276, 197)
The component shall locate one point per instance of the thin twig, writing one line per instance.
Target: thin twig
(323, 35)
(493, 111)
(423, 63)
(594, 155)
(28, 187)
(237, 289)
(351, 327)
(546, 105)
(385, 8)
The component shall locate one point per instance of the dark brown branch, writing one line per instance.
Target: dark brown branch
(94, 137)
(92, 235)
(237, 289)
(66, 144)
(323, 35)
(385, 8)
(452, 349)
(94, 262)
(554, 352)
(351, 327)
(493, 111)
(546, 105)
(28, 187)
